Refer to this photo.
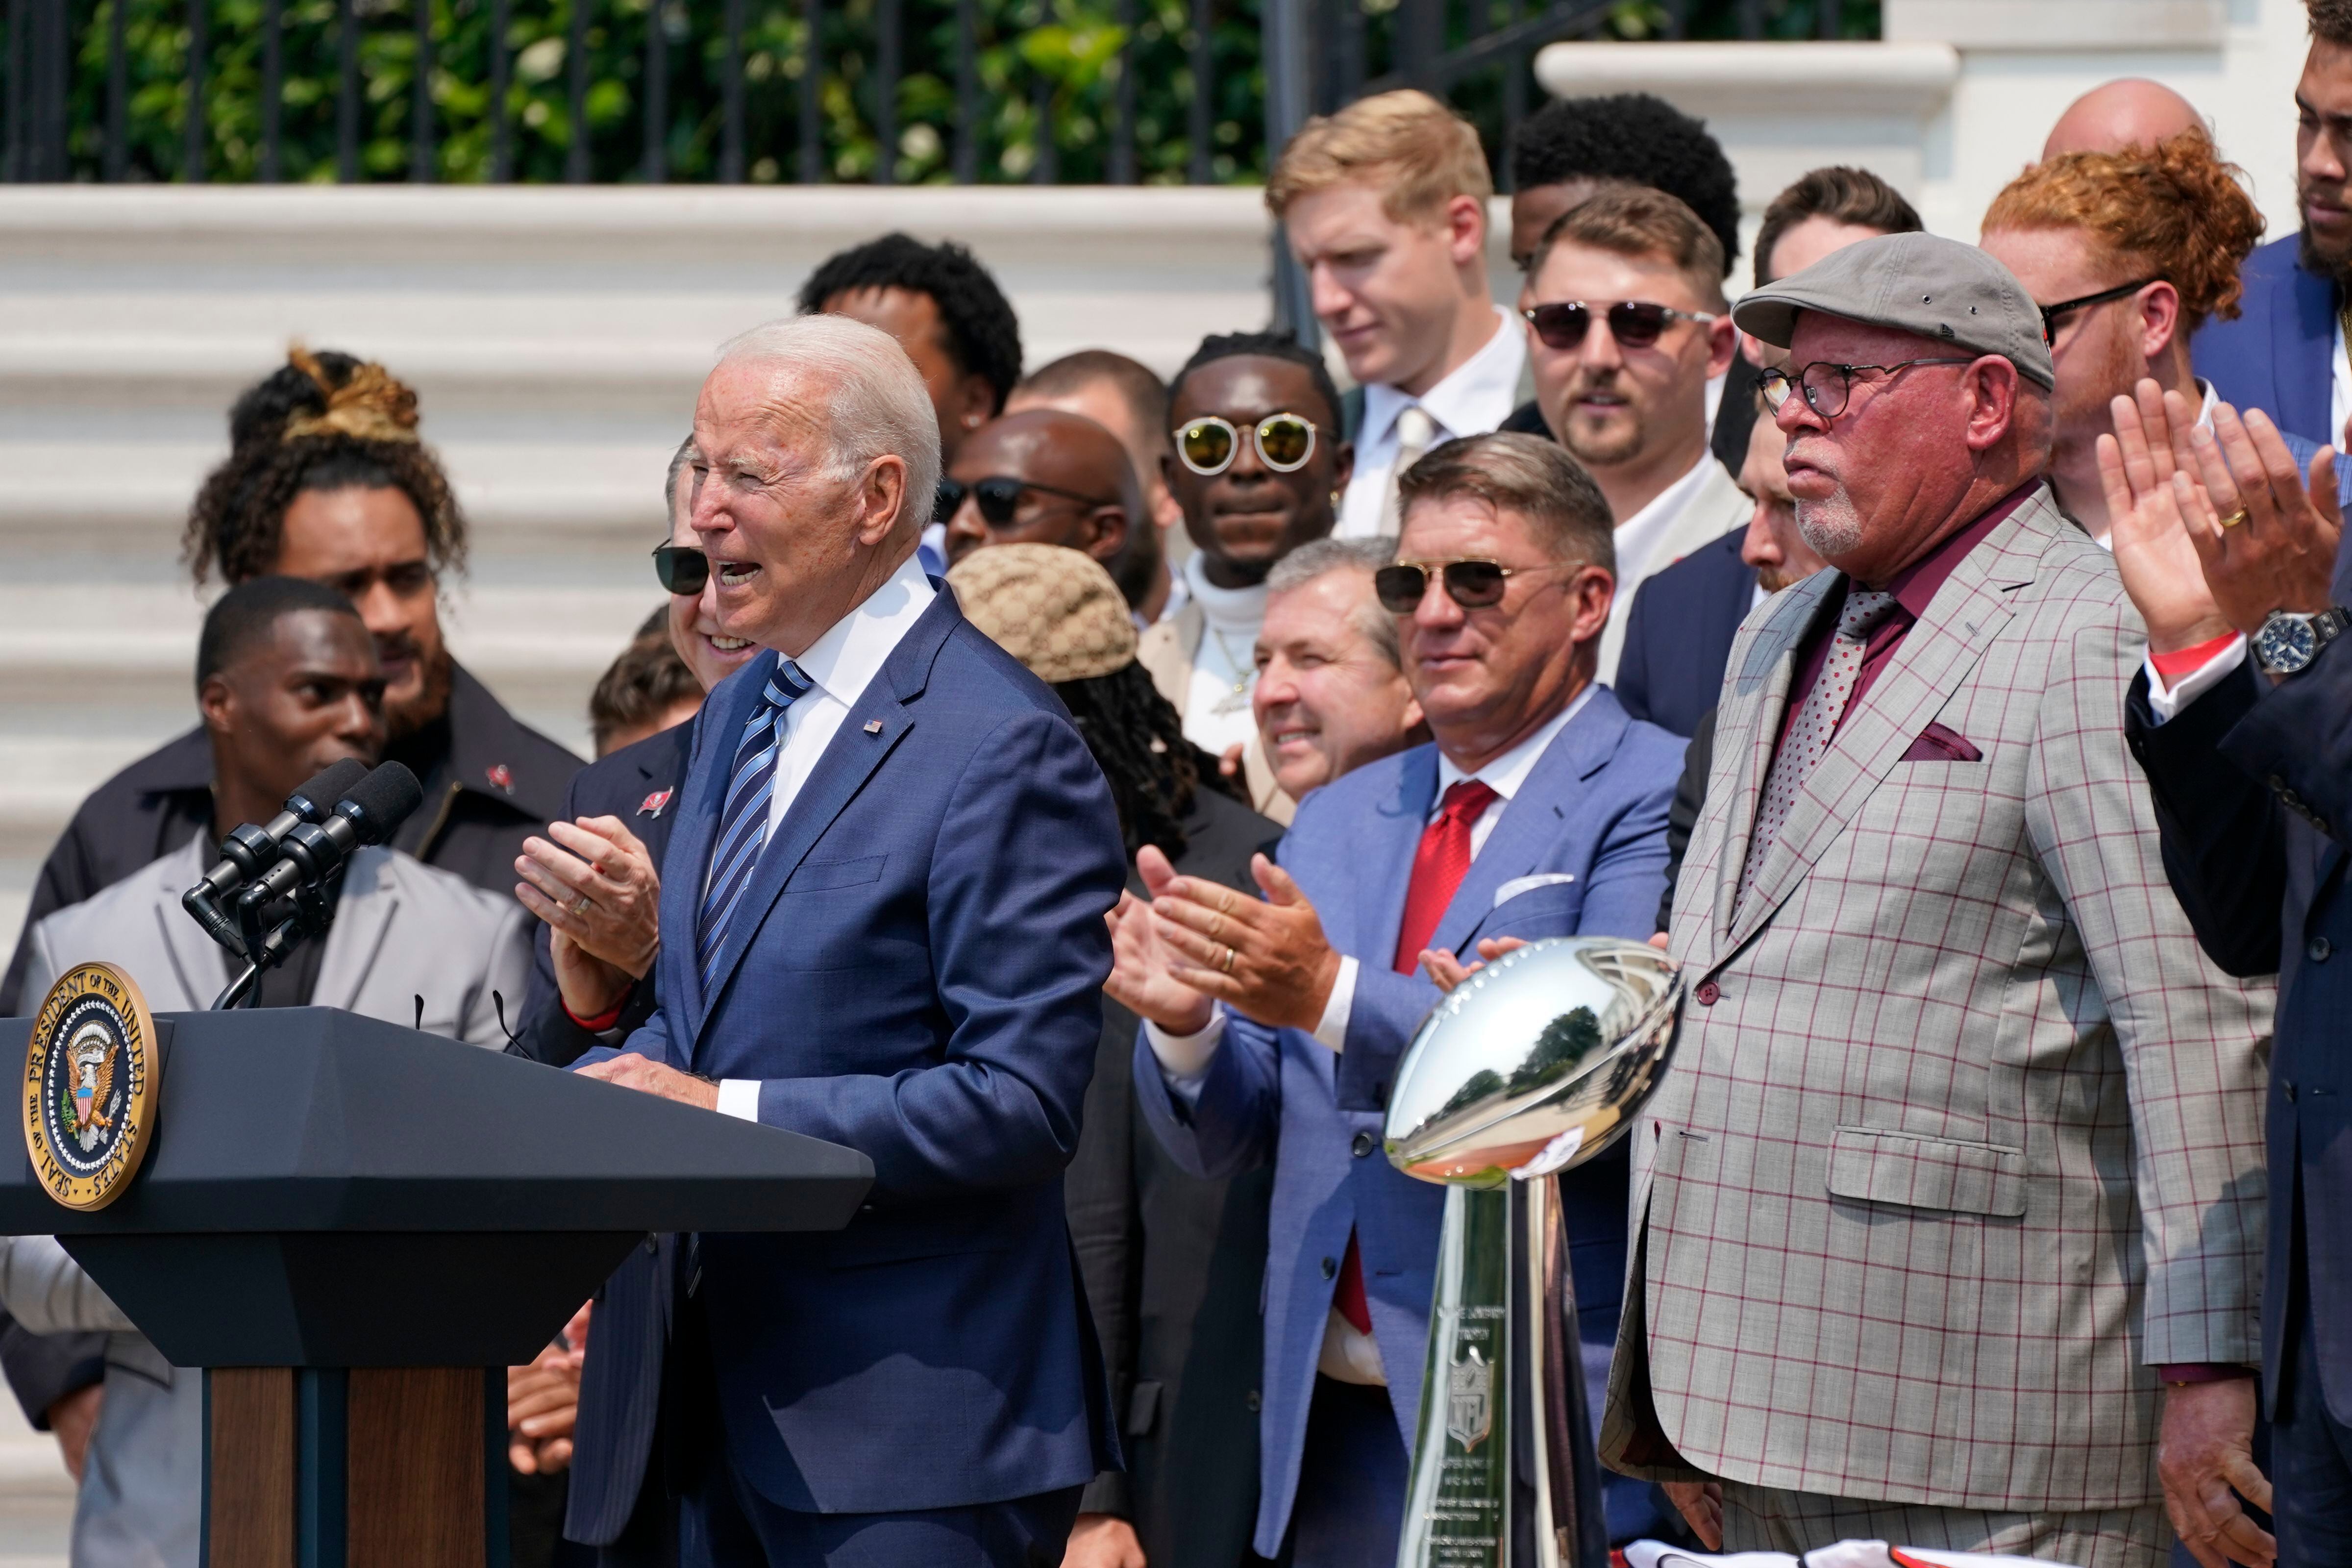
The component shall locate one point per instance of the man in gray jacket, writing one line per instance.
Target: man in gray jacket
(288, 682)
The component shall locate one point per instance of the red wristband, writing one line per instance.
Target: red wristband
(2203, 1372)
(2188, 660)
(602, 1021)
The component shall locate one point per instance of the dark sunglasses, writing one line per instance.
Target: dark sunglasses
(1635, 323)
(2050, 313)
(682, 568)
(999, 497)
(1473, 584)
(1208, 445)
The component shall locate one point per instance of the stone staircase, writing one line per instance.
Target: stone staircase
(556, 337)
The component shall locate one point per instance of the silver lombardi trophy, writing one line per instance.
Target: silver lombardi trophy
(1534, 1065)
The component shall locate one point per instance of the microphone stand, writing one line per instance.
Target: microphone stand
(310, 919)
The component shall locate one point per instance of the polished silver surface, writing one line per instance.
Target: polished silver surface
(1536, 1063)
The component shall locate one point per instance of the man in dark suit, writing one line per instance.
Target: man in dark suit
(2239, 719)
(2284, 352)
(1678, 638)
(1171, 1260)
(882, 926)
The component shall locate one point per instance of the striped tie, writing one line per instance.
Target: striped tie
(744, 824)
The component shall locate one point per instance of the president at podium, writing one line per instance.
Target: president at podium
(882, 925)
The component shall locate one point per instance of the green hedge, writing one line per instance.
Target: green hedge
(1065, 53)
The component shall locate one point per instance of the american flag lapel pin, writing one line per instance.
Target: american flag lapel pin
(873, 726)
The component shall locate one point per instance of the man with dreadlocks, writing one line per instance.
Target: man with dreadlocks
(327, 479)
(1171, 1260)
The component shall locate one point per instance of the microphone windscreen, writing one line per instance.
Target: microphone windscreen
(331, 785)
(383, 800)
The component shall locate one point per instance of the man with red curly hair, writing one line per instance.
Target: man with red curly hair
(2127, 253)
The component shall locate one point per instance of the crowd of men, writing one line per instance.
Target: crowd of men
(1933, 653)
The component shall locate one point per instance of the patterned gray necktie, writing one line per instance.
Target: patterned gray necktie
(1415, 430)
(1815, 725)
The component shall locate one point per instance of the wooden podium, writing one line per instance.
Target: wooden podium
(355, 1228)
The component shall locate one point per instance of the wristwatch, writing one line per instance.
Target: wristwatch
(2288, 642)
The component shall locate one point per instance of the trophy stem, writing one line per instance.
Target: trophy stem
(1457, 1499)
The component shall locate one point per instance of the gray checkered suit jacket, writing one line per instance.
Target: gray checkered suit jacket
(1964, 1135)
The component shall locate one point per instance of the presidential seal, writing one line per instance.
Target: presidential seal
(90, 1086)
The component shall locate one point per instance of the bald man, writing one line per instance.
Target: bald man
(2130, 112)
(1043, 476)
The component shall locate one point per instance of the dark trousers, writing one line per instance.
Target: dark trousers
(1352, 1477)
(2311, 1451)
(724, 1522)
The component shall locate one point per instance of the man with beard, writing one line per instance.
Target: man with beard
(1624, 300)
(326, 480)
(2284, 354)
(2128, 254)
(1258, 468)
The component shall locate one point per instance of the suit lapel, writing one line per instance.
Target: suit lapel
(195, 961)
(1936, 657)
(1390, 857)
(1531, 822)
(2307, 315)
(702, 792)
(1771, 664)
(364, 916)
(871, 732)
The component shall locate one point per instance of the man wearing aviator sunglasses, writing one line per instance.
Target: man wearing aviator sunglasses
(1041, 476)
(1625, 318)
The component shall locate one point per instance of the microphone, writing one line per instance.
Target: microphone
(369, 813)
(248, 850)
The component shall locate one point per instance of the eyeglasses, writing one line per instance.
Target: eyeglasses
(2050, 313)
(1635, 323)
(999, 497)
(682, 568)
(1472, 585)
(1208, 445)
(1827, 386)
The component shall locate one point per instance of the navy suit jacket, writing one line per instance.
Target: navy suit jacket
(2253, 798)
(1678, 635)
(2279, 355)
(1591, 812)
(915, 971)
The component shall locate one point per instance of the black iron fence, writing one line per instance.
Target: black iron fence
(1048, 91)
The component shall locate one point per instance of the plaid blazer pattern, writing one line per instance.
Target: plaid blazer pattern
(1963, 1137)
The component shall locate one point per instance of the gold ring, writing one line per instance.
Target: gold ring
(1228, 964)
(2235, 518)
(580, 905)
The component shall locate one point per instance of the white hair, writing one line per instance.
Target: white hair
(875, 400)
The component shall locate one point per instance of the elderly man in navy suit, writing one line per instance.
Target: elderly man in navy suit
(2285, 354)
(1273, 1030)
(882, 925)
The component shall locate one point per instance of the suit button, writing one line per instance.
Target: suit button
(1362, 1145)
(652, 1247)
(2319, 949)
(1708, 992)
(1252, 1401)
(1331, 1268)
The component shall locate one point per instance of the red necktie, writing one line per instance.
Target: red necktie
(1438, 868)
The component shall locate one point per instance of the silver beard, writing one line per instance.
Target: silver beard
(1831, 526)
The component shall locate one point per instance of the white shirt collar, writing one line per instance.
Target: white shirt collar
(1240, 609)
(1475, 397)
(846, 659)
(1637, 537)
(1506, 773)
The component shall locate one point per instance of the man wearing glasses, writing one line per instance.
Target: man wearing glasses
(1042, 476)
(1626, 322)
(1951, 1208)
(1540, 811)
(2128, 254)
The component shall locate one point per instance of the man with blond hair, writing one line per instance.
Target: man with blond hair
(1384, 205)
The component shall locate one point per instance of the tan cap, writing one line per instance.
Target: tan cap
(1054, 609)
(1940, 288)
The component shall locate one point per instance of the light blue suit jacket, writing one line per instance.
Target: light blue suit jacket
(1593, 809)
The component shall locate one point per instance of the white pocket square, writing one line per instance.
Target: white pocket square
(1518, 885)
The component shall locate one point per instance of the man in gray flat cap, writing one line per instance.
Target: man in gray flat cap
(1950, 1213)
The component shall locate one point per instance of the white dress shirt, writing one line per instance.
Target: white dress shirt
(840, 664)
(1476, 397)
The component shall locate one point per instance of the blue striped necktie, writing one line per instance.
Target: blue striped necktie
(743, 823)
